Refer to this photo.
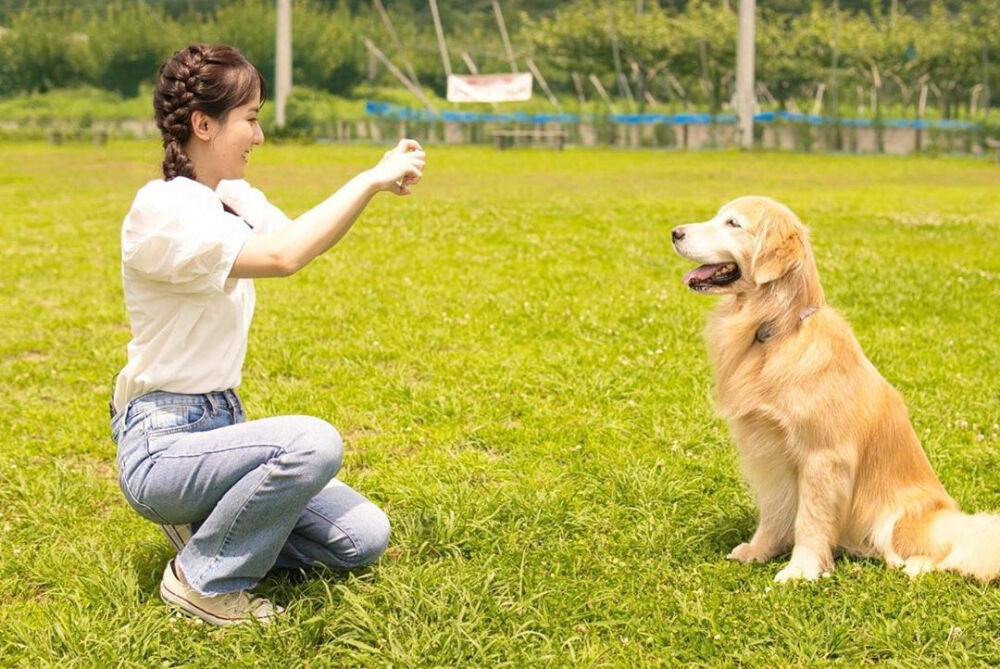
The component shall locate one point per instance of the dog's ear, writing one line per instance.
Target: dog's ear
(779, 249)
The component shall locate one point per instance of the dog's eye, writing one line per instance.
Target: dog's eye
(731, 222)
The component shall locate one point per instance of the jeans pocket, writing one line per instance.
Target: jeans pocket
(167, 420)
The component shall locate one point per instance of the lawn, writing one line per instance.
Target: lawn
(521, 382)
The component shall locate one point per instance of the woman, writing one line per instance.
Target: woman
(235, 497)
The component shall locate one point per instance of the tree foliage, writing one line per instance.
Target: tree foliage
(680, 53)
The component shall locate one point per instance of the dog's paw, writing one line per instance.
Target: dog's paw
(746, 553)
(800, 572)
(917, 565)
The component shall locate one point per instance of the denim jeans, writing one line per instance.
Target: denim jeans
(258, 494)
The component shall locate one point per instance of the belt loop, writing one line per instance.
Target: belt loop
(234, 402)
(212, 402)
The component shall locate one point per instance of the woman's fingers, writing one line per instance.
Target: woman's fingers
(410, 159)
(401, 186)
(406, 145)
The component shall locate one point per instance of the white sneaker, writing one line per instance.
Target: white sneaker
(177, 535)
(232, 608)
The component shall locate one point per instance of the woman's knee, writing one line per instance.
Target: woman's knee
(371, 535)
(317, 444)
(378, 535)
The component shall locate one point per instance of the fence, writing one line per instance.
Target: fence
(774, 130)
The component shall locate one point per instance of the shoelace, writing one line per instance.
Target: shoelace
(241, 603)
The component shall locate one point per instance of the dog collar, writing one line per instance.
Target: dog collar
(766, 331)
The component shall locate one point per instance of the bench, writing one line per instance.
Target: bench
(995, 145)
(505, 139)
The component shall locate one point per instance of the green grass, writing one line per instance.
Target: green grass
(522, 385)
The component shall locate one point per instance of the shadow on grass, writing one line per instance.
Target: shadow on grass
(148, 559)
(729, 531)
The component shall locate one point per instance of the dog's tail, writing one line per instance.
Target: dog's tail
(968, 544)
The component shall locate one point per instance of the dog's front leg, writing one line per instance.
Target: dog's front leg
(825, 483)
(773, 484)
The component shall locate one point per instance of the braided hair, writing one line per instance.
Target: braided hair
(210, 78)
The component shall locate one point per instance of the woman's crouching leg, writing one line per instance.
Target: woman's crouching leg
(339, 529)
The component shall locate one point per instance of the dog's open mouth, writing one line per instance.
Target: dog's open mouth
(706, 276)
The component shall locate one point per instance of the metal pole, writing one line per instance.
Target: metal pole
(578, 83)
(623, 86)
(603, 93)
(544, 84)
(410, 86)
(387, 22)
(283, 61)
(440, 37)
(986, 79)
(836, 53)
(469, 63)
(745, 72)
(503, 35)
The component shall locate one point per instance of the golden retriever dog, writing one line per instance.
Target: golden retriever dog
(824, 441)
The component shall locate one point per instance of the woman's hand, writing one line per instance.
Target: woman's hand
(400, 168)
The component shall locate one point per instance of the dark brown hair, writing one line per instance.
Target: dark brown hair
(211, 78)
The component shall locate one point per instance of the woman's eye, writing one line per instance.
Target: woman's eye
(732, 223)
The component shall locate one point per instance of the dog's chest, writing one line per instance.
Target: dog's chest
(747, 378)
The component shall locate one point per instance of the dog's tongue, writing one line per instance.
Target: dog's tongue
(703, 273)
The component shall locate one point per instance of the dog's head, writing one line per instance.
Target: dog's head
(751, 242)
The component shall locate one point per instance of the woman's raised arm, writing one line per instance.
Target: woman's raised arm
(288, 250)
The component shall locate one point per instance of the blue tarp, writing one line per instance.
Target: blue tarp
(388, 110)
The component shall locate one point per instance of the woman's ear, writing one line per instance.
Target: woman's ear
(202, 125)
(779, 248)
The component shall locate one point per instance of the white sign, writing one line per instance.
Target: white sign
(489, 87)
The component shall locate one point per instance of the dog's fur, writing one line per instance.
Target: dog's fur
(824, 441)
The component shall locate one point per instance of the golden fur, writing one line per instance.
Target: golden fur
(824, 441)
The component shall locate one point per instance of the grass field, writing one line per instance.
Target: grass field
(521, 382)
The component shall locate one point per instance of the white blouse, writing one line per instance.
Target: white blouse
(189, 320)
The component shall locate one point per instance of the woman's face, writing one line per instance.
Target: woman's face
(235, 138)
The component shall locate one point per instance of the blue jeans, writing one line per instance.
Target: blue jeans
(258, 494)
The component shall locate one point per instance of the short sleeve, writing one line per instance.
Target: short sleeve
(252, 205)
(180, 237)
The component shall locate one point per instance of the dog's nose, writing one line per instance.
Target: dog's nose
(677, 234)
